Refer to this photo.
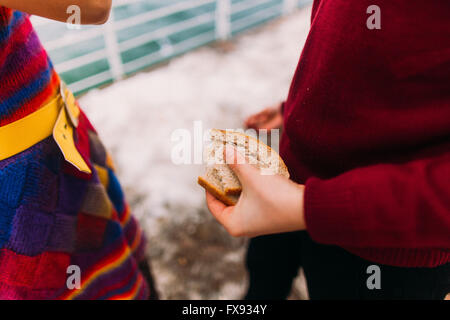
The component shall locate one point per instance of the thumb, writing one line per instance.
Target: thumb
(239, 164)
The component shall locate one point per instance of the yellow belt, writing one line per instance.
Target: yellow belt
(58, 118)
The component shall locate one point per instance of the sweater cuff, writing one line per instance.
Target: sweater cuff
(330, 214)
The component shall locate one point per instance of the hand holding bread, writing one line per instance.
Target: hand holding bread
(220, 180)
(251, 202)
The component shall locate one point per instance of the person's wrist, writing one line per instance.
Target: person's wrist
(295, 219)
(300, 208)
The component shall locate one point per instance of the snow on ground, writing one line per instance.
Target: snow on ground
(192, 256)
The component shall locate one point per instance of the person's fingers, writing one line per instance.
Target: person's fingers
(239, 164)
(265, 119)
(256, 120)
(214, 205)
(274, 123)
(219, 210)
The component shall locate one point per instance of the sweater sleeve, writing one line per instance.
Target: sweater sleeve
(402, 205)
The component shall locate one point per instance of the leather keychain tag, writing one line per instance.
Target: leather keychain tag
(63, 132)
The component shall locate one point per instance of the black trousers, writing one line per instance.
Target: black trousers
(333, 273)
(144, 267)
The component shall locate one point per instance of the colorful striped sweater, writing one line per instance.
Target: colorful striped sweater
(52, 217)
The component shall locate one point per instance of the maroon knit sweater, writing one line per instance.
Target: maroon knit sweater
(367, 129)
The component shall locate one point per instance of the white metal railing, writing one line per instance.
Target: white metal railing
(224, 20)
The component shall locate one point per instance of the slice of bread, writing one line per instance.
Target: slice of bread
(220, 180)
(213, 184)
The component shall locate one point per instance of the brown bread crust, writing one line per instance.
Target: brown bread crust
(219, 195)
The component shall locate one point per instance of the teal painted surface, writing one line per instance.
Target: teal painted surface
(159, 49)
